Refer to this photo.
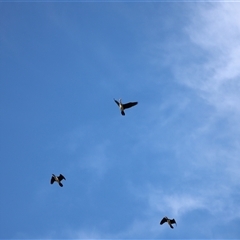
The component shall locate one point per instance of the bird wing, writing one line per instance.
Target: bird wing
(61, 177)
(52, 180)
(173, 221)
(163, 220)
(130, 104)
(116, 102)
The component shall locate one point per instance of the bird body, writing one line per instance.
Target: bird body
(124, 106)
(57, 179)
(169, 221)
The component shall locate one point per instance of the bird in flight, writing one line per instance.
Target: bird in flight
(169, 221)
(124, 106)
(57, 179)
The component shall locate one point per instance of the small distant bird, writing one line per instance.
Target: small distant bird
(169, 221)
(124, 106)
(57, 179)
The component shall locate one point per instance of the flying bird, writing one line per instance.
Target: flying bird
(124, 106)
(57, 179)
(169, 221)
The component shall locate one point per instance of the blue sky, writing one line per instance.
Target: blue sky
(175, 154)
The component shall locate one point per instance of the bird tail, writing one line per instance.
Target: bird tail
(123, 113)
(60, 184)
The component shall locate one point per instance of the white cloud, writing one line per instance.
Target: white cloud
(175, 204)
(215, 30)
(208, 154)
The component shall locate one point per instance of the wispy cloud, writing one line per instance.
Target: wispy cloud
(206, 154)
(215, 30)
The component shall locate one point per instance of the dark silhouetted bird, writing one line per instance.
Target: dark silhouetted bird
(124, 106)
(169, 221)
(57, 179)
